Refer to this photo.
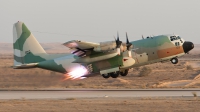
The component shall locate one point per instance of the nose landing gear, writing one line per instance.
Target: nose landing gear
(174, 60)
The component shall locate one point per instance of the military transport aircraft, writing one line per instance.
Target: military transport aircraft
(110, 58)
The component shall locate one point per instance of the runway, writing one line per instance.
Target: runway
(94, 93)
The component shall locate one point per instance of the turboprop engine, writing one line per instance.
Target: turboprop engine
(106, 46)
(111, 45)
(117, 44)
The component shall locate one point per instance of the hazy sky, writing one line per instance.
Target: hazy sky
(99, 20)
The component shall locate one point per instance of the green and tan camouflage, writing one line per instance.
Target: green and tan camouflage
(109, 58)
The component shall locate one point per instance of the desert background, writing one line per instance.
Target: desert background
(185, 74)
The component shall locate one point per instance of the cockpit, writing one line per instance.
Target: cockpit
(177, 40)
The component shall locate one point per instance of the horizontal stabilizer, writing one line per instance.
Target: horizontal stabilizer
(25, 66)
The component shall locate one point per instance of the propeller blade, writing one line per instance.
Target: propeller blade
(117, 36)
(118, 44)
(127, 41)
(128, 45)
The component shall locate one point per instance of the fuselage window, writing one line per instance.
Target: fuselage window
(176, 43)
(171, 38)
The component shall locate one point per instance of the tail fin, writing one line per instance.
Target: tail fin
(26, 47)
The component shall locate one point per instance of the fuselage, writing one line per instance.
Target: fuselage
(145, 51)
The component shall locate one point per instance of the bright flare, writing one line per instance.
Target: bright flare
(76, 73)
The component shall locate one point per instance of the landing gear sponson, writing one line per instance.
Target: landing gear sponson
(115, 74)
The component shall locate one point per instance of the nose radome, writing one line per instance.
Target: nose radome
(187, 46)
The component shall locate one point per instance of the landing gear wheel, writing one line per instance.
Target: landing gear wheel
(114, 74)
(106, 76)
(124, 73)
(174, 60)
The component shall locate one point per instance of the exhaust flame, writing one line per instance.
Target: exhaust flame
(76, 73)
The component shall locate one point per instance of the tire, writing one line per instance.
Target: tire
(174, 60)
(114, 74)
(124, 73)
(106, 76)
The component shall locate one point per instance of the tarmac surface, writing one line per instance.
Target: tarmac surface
(95, 93)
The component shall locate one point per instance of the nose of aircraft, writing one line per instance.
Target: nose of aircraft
(187, 46)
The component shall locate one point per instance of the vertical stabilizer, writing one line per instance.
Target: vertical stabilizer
(26, 47)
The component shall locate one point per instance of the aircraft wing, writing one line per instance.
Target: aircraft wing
(80, 48)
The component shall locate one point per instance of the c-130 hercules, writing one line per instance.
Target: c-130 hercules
(110, 59)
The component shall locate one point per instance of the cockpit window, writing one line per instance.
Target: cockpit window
(179, 37)
(172, 38)
(177, 44)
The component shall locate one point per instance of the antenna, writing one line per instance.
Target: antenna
(152, 36)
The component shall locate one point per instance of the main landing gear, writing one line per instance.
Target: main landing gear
(174, 60)
(124, 73)
(112, 74)
(106, 75)
(115, 74)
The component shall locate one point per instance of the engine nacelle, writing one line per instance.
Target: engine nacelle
(105, 46)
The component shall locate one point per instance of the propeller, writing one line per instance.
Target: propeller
(118, 43)
(128, 45)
